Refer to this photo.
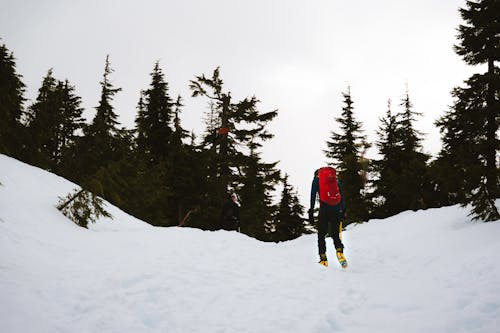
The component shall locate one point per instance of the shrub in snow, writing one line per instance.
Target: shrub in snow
(82, 207)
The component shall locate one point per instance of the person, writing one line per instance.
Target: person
(230, 215)
(331, 213)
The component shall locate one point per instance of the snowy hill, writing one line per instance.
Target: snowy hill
(427, 271)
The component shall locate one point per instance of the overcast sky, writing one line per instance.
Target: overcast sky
(295, 56)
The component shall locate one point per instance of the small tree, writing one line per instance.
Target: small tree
(82, 207)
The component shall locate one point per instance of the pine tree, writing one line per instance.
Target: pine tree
(388, 167)
(232, 127)
(289, 221)
(185, 172)
(154, 121)
(344, 151)
(103, 141)
(43, 119)
(461, 164)
(480, 44)
(11, 105)
(53, 122)
(413, 179)
(256, 186)
(71, 124)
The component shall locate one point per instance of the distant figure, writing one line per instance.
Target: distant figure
(331, 212)
(230, 215)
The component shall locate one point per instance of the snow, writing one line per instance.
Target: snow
(425, 271)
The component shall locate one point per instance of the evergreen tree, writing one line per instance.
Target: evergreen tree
(154, 120)
(160, 143)
(257, 184)
(480, 44)
(43, 119)
(289, 221)
(11, 105)
(71, 124)
(185, 172)
(53, 121)
(344, 150)
(461, 164)
(103, 141)
(231, 128)
(411, 187)
(388, 167)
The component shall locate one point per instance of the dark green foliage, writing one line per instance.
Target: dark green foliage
(185, 172)
(154, 120)
(483, 206)
(288, 221)
(345, 150)
(11, 105)
(103, 142)
(230, 128)
(161, 148)
(479, 36)
(413, 179)
(462, 161)
(469, 129)
(256, 186)
(82, 207)
(403, 177)
(151, 172)
(388, 168)
(53, 122)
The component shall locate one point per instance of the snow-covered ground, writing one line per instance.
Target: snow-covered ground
(427, 271)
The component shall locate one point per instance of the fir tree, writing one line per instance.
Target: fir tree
(71, 124)
(103, 141)
(480, 44)
(82, 207)
(43, 119)
(413, 179)
(344, 150)
(461, 164)
(388, 167)
(53, 122)
(257, 184)
(185, 173)
(11, 105)
(289, 222)
(232, 127)
(154, 120)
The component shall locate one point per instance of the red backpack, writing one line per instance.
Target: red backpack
(328, 187)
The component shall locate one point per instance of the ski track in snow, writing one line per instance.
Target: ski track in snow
(425, 271)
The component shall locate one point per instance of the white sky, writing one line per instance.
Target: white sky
(295, 56)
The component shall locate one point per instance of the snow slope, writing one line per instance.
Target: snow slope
(425, 271)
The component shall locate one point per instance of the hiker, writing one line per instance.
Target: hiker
(230, 215)
(331, 212)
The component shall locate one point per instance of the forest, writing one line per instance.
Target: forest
(163, 174)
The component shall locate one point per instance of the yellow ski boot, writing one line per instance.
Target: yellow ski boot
(341, 258)
(322, 260)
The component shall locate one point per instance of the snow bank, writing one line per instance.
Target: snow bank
(426, 271)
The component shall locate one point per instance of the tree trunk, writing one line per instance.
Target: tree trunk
(491, 129)
(224, 167)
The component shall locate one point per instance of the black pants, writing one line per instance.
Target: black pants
(329, 222)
